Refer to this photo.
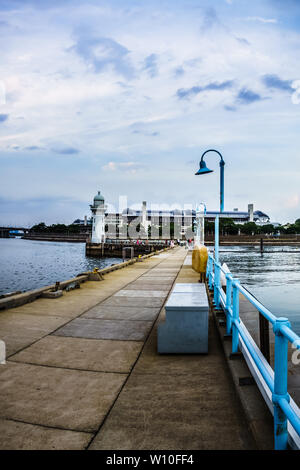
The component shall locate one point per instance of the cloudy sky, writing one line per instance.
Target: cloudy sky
(125, 95)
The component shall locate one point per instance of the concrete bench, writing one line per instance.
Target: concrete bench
(185, 330)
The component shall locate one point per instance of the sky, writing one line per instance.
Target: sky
(124, 96)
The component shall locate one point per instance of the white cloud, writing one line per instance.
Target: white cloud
(261, 19)
(127, 167)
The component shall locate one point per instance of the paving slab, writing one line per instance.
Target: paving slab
(151, 283)
(133, 302)
(173, 412)
(18, 331)
(106, 329)
(148, 286)
(158, 278)
(80, 353)
(24, 436)
(162, 270)
(140, 293)
(123, 313)
(63, 398)
(67, 306)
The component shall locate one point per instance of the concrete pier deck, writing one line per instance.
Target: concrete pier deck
(83, 373)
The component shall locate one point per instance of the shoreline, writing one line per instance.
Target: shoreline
(15, 300)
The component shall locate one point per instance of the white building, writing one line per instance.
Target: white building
(98, 219)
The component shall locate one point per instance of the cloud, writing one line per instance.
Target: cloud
(185, 93)
(219, 86)
(229, 108)
(246, 96)
(150, 65)
(65, 150)
(210, 18)
(179, 72)
(145, 133)
(32, 147)
(261, 19)
(273, 81)
(243, 41)
(128, 167)
(102, 52)
(3, 117)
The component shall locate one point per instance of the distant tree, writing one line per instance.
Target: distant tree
(58, 228)
(228, 227)
(209, 228)
(267, 229)
(293, 228)
(74, 228)
(250, 228)
(41, 227)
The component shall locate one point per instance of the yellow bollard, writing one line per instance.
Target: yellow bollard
(199, 260)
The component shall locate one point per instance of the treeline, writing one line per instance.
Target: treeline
(56, 228)
(228, 227)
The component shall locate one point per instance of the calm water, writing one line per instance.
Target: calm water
(28, 264)
(273, 277)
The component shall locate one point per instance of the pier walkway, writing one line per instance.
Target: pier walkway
(83, 373)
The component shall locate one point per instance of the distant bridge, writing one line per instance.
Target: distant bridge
(7, 232)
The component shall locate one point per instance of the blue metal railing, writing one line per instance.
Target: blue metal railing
(277, 382)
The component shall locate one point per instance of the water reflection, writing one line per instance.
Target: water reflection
(28, 264)
(273, 277)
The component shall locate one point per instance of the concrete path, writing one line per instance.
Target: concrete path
(83, 372)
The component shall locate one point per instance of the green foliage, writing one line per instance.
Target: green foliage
(267, 229)
(250, 228)
(55, 228)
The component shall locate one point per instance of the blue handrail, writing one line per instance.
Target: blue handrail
(277, 384)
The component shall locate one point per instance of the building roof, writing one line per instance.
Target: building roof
(260, 214)
(98, 198)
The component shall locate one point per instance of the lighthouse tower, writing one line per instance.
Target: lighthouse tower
(98, 212)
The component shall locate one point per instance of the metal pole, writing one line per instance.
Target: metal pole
(228, 302)
(217, 286)
(217, 238)
(222, 163)
(235, 315)
(217, 269)
(280, 384)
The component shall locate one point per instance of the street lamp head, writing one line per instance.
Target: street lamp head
(203, 169)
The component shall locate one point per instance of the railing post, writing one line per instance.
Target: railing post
(208, 267)
(210, 281)
(217, 238)
(280, 384)
(228, 302)
(217, 285)
(235, 315)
